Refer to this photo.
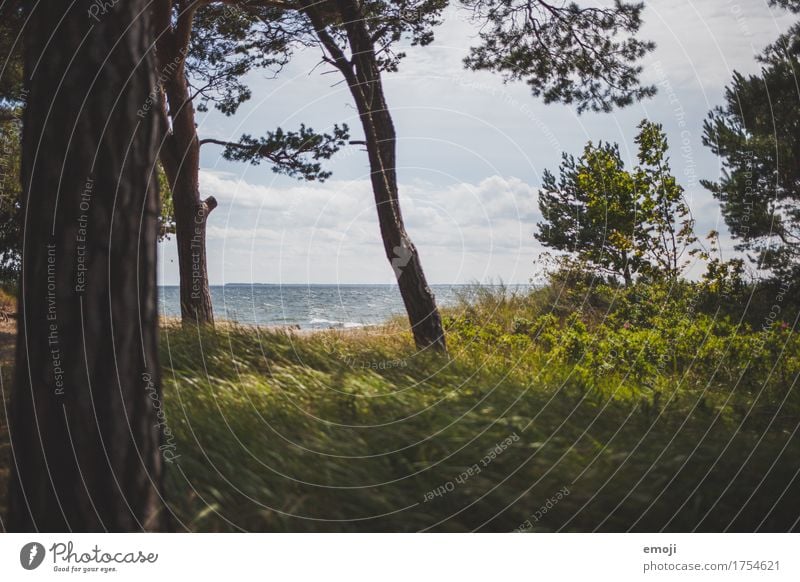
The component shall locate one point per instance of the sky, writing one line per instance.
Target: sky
(471, 152)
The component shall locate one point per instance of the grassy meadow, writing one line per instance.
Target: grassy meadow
(563, 409)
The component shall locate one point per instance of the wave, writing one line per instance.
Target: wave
(320, 321)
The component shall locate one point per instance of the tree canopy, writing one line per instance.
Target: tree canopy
(756, 134)
(618, 222)
(565, 52)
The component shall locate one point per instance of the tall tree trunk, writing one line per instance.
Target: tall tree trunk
(180, 157)
(364, 80)
(419, 301)
(84, 424)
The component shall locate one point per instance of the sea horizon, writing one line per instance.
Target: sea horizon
(239, 284)
(312, 306)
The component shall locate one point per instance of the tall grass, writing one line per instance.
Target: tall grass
(516, 428)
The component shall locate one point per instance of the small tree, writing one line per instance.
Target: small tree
(667, 232)
(591, 211)
(617, 222)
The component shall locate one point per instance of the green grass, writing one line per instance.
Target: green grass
(647, 417)
(654, 408)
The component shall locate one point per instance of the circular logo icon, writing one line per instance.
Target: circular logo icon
(31, 555)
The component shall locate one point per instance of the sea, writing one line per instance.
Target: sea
(308, 306)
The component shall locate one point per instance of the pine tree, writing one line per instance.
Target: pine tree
(756, 134)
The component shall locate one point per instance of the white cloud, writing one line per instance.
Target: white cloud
(464, 231)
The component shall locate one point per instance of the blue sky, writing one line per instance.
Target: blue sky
(471, 153)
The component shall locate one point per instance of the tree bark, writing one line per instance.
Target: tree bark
(364, 80)
(626, 270)
(419, 300)
(85, 427)
(180, 157)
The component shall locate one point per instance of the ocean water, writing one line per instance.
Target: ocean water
(309, 306)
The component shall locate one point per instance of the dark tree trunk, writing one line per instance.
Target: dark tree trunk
(626, 270)
(419, 301)
(190, 232)
(180, 157)
(85, 430)
(364, 80)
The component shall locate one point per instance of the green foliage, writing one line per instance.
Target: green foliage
(640, 402)
(667, 226)
(564, 51)
(10, 201)
(591, 210)
(648, 333)
(381, 25)
(292, 153)
(617, 222)
(229, 40)
(166, 217)
(754, 134)
(12, 20)
(12, 95)
(722, 278)
(390, 22)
